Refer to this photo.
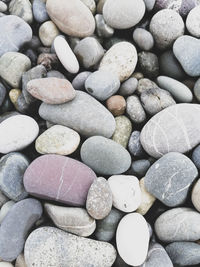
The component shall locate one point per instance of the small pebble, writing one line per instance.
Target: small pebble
(143, 39)
(140, 167)
(48, 32)
(135, 110)
(103, 30)
(195, 196)
(20, 261)
(39, 11)
(116, 105)
(197, 90)
(3, 7)
(128, 87)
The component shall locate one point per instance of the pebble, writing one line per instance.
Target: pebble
(72, 220)
(100, 5)
(121, 58)
(157, 257)
(179, 91)
(67, 16)
(99, 199)
(184, 253)
(63, 179)
(169, 179)
(3, 199)
(128, 87)
(48, 32)
(149, 4)
(48, 60)
(135, 109)
(17, 132)
(105, 156)
(144, 85)
(51, 90)
(116, 104)
(132, 239)
(20, 261)
(197, 90)
(148, 63)
(178, 224)
(123, 15)
(126, 192)
(184, 121)
(5, 264)
(193, 22)
(143, 39)
(65, 54)
(39, 11)
(147, 199)
(123, 130)
(12, 168)
(195, 195)
(166, 26)
(84, 114)
(191, 63)
(55, 74)
(140, 167)
(22, 9)
(91, 5)
(169, 66)
(89, 52)
(79, 81)
(2, 93)
(3, 7)
(59, 140)
(103, 29)
(14, 94)
(5, 209)
(102, 84)
(41, 249)
(15, 227)
(134, 145)
(12, 67)
(106, 228)
(196, 156)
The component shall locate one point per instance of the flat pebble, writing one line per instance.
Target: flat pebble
(89, 52)
(79, 81)
(39, 11)
(116, 104)
(128, 87)
(169, 179)
(41, 249)
(48, 32)
(22, 9)
(126, 192)
(193, 22)
(5, 209)
(179, 91)
(139, 167)
(178, 224)
(102, 84)
(59, 140)
(72, 220)
(148, 63)
(17, 132)
(67, 16)
(121, 58)
(197, 90)
(66, 55)
(132, 239)
(103, 29)
(99, 199)
(105, 156)
(195, 196)
(184, 121)
(166, 26)
(134, 145)
(63, 179)
(143, 39)
(191, 63)
(15, 227)
(135, 109)
(123, 15)
(84, 114)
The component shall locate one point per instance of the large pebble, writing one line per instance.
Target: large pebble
(15, 227)
(195, 196)
(48, 32)
(135, 110)
(157, 137)
(12, 168)
(193, 22)
(169, 179)
(22, 9)
(39, 11)
(51, 90)
(20, 261)
(121, 58)
(3, 199)
(123, 14)
(132, 239)
(15, 32)
(17, 132)
(178, 224)
(5, 209)
(102, 84)
(105, 156)
(45, 246)
(99, 199)
(191, 63)
(59, 140)
(84, 114)
(62, 179)
(72, 220)
(91, 4)
(126, 192)
(128, 87)
(12, 67)
(166, 26)
(72, 17)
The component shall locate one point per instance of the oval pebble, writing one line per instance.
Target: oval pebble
(72, 220)
(79, 81)
(116, 104)
(143, 39)
(193, 22)
(132, 239)
(63, 179)
(22, 9)
(128, 87)
(135, 109)
(48, 32)
(39, 11)
(105, 156)
(17, 132)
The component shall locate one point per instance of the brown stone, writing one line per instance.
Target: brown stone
(48, 60)
(116, 105)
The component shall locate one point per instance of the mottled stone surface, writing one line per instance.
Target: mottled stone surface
(5, 209)
(148, 63)
(22, 9)
(135, 109)
(123, 130)
(193, 22)
(116, 104)
(184, 121)
(45, 245)
(59, 178)
(48, 32)
(39, 11)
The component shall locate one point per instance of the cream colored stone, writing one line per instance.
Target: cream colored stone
(48, 32)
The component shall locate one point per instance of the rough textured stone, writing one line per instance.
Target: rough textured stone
(135, 110)
(144, 85)
(63, 179)
(128, 87)
(148, 63)
(134, 145)
(79, 81)
(22, 9)
(103, 29)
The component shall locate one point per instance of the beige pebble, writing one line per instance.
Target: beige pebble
(116, 105)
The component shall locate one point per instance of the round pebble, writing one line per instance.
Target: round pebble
(116, 105)
(140, 167)
(22, 9)
(48, 32)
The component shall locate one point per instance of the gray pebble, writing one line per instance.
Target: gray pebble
(148, 62)
(56, 74)
(149, 4)
(135, 110)
(197, 90)
(143, 39)
(128, 87)
(79, 81)
(39, 11)
(21, 105)
(134, 145)
(140, 167)
(2, 93)
(120, 262)
(145, 84)
(22, 9)
(196, 156)
(103, 30)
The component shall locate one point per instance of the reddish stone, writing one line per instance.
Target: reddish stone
(59, 178)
